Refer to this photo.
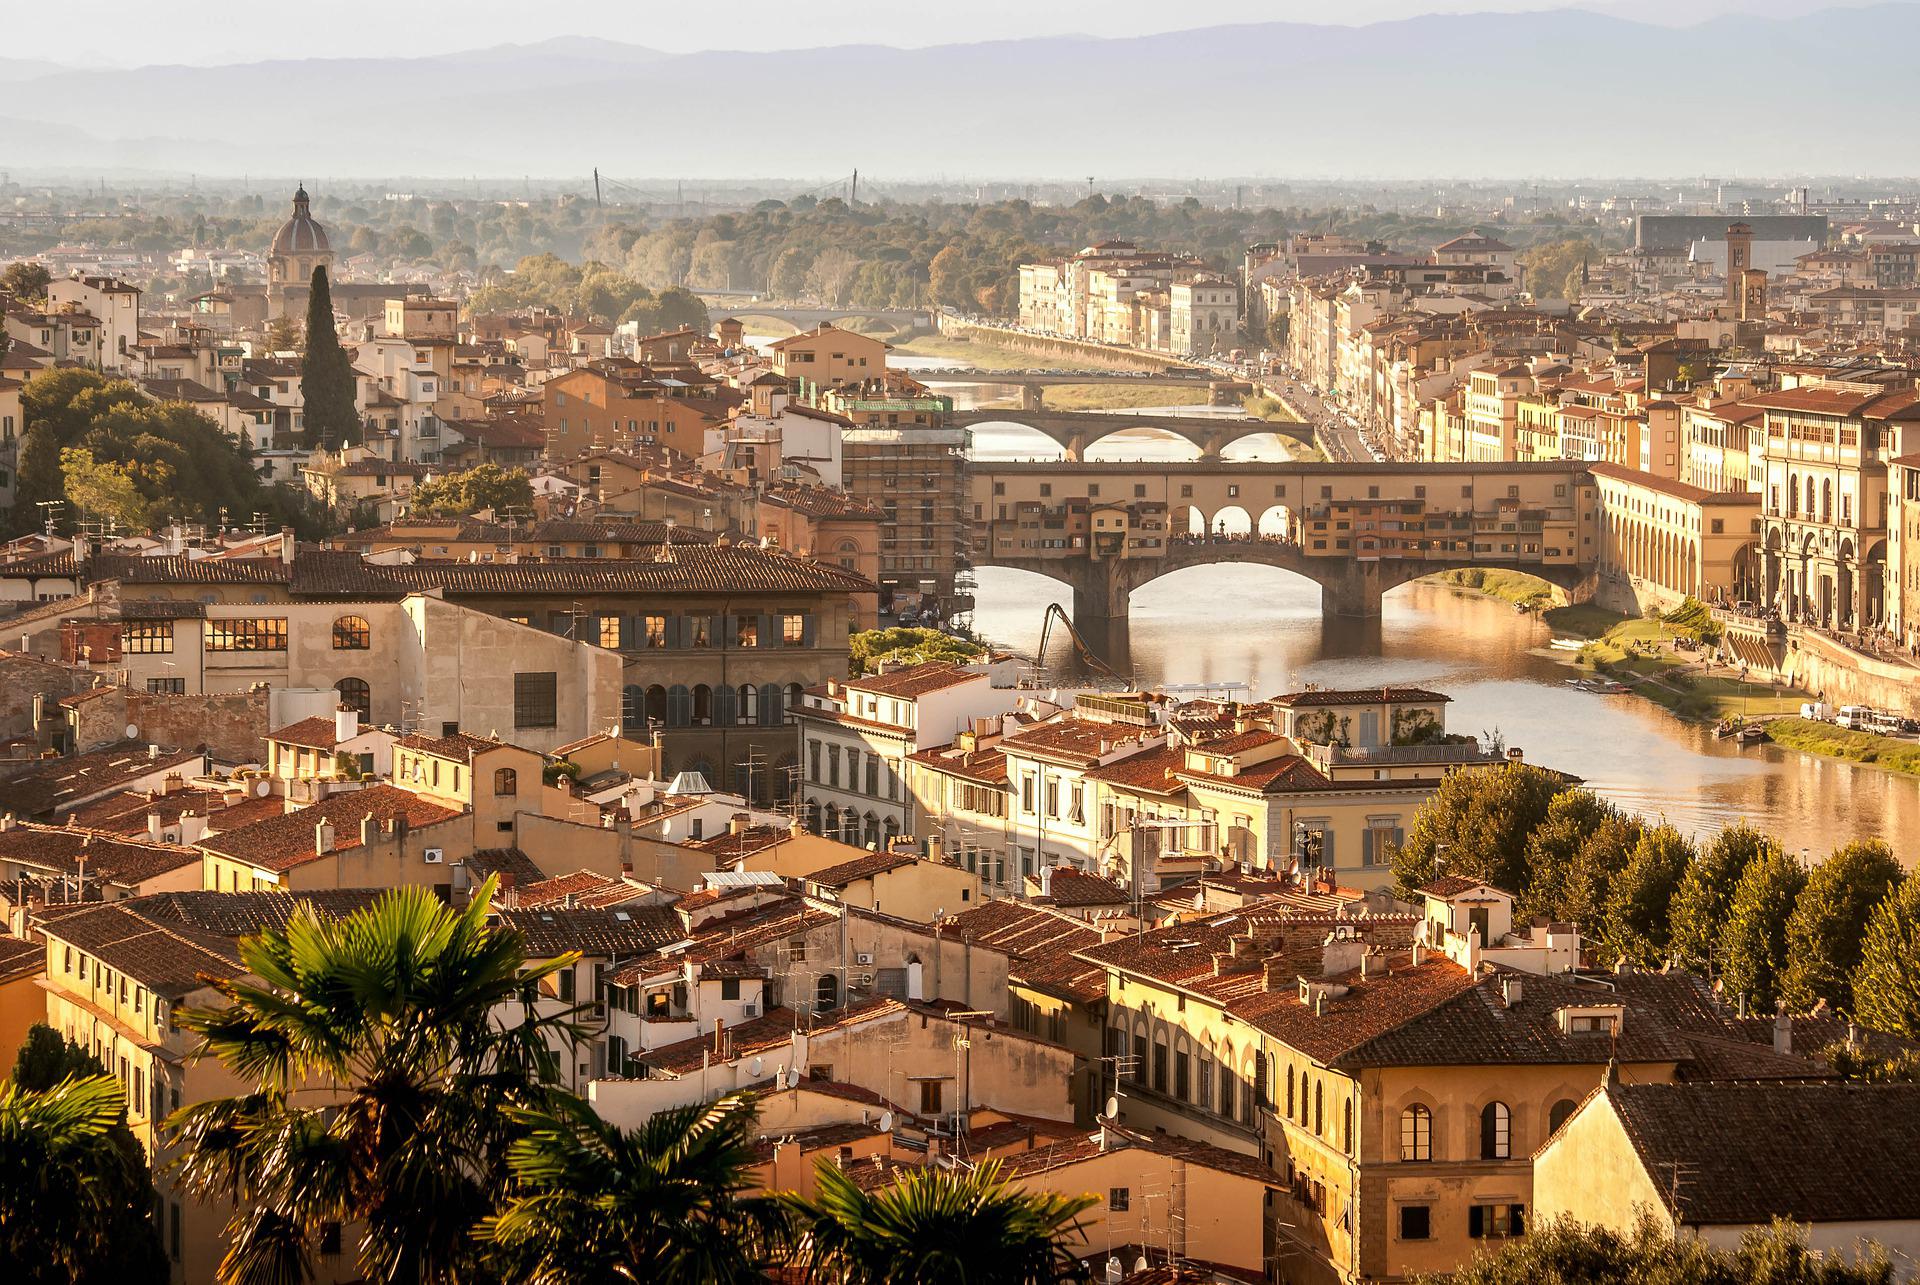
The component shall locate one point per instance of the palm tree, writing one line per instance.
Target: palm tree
(63, 1178)
(663, 1203)
(938, 1227)
(388, 1087)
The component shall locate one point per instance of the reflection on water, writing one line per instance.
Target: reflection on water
(1263, 627)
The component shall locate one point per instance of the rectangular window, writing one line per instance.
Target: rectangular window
(1416, 1222)
(1496, 1222)
(793, 630)
(746, 631)
(610, 632)
(655, 630)
(147, 638)
(166, 686)
(261, 634)
(729, 988)
(536, 699)
(1119, 1198)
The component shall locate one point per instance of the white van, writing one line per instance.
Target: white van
(1884, 723)
(1856, 718)
(1816, 711)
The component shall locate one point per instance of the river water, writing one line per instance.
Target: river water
(1262, 627)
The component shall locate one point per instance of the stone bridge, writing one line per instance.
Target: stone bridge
(1075, 431)
(802, 317)
(1356, 530)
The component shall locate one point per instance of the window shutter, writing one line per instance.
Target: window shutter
(727, 629)
(769, 630)
(809, 636)
(628, 631)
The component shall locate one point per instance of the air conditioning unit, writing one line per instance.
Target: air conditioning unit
(749, 1010)
(434, 856)
(863, 957)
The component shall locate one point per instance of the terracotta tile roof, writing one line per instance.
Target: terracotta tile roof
(691, 568)
(1450, 886)
(1070, 738)
(514, 867)
(1040, 944)
(915, 680)
(556, 891)
(866, 867)
(1280, 775)
(989, 767)
(772, 1030)
(1086, 1147)
(731, 936)
(1151, 770)
(310, 733)
(59, 850)
(457, 745)
(1070, 887)
(1753, 1152)
(1881, 403)
(20, 957)
(283, 842)
(126, 813)
(51, 785)
(730, 846)
(593, 931)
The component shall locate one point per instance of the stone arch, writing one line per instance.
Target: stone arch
(1231, 520)
(1276, 521)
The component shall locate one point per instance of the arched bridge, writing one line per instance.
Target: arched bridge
(1357, 530)
(802, 317)
(1075, 431)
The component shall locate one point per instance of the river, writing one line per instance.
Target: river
(1262, 627)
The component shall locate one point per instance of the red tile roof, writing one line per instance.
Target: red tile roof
(286, 841)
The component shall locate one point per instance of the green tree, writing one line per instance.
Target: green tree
(130, 1249)
(1553, 268)
(1554, 848)
(57, 407)
(1478, 821)
(1705, 899)
(25, 281)
(1567, 1253)
(327, 383)
(937, 1226)
(484, 486)
(1886, 985)
(103, 489)
(76, 1200)
(666, 1202)
(1602, 857)
(395, 1009)
(1829, 921)
(1640, 896)
(905, 645)
(1756, 931)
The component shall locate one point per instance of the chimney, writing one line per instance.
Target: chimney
(737, 823)
(369, 830)
(322, 838)
(1222, 964)
(6, 822)
(153, 752)
(719, 1029)
(1274, 974)
(1419, 952)
(1510, 989)
(193, 828)
(154, 827)
(1783, 1032)
(346, 723)
(173, 784)
(1046, 881)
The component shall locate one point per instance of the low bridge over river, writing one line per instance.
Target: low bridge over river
(1357, 530)
(1075, 431)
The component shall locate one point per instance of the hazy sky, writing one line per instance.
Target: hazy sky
(135, 32)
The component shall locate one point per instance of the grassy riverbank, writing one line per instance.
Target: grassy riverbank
(1637, 651)
(1890, 752)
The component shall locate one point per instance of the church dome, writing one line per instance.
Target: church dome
(300, 234)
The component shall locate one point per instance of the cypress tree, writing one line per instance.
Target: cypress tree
(326, 376)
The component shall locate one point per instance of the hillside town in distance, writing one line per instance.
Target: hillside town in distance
(505, 772)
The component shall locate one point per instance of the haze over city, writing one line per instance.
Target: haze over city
(1243, 643)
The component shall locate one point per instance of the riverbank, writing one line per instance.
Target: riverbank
(1893, 753)
(1634, 650)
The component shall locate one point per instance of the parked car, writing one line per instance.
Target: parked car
(1886, 724)
(1855, 718)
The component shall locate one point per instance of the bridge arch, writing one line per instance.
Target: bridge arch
(1277, 520)
(1232, 520)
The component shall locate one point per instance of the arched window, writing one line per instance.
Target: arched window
(352, 633)
(726, 705)
(506, 781)
(356, 695)
(749, 703)
(1496, 1131)
(656, 704)
(826, 993)
(1262, 1091)
(1416, 1133)
(1562, 1109)
(702, 705)
(1346, 1125)
(633, 709)
(873, 830)
(1289, 1091)
(1319, 1107)
(679, 706)
(773, 705)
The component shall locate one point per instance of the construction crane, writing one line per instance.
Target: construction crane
(1086, 653)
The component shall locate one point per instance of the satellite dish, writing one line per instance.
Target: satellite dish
(886, 1122)
(133, 731)
(1113, 1107)
(793, 1077)
(263, 788)
(753, 1068)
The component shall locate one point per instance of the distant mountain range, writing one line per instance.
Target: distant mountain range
(1558, 93)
